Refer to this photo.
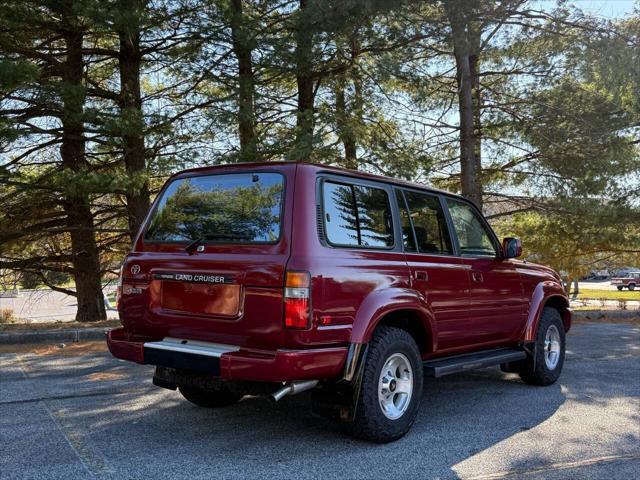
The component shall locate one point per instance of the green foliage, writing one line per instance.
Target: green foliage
(580, 135)
(557, 112)
(578, 236)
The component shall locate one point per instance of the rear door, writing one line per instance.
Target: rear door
(435, 271)
(497, 305)
(210, 263)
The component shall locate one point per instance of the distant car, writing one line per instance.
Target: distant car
(596, 276)
(631, 280)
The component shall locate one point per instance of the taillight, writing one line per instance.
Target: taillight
(297, 298)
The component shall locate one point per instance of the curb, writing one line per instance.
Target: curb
(598, 314)
(53, 336)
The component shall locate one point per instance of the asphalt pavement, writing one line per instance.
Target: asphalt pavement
(87, 415)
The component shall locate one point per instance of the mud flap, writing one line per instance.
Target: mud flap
(339, 399)
(532, 350)
(514, 367)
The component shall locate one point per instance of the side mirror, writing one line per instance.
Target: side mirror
(511, 247)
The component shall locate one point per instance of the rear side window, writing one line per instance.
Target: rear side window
(357, 216)
(429, 223)
(228, 208)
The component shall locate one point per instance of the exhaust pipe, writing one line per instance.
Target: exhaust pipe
(293, 389)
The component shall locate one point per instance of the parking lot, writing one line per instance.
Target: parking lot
(46, 305)
(82, 414)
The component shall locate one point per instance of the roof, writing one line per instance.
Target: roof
(319, 167)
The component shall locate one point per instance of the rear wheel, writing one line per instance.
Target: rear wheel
(545, 368)
(209, 398)
(391, 387)
(632, 286)
(620, 287)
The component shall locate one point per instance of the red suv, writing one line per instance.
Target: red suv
(272, 279)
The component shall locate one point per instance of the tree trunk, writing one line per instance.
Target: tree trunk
(474, 67)
(469, 175)
(349, 114)
(304, 80)
(345, 132)
(131, 114)
(246, 84)
(86, 261)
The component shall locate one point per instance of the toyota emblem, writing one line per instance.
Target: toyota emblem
(135, 269)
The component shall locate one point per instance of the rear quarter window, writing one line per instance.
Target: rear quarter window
(357, 216)
(225, 208)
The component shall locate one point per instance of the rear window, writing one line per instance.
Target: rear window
(227, 208)
(357, 216)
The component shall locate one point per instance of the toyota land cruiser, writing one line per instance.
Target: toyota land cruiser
(275, 278)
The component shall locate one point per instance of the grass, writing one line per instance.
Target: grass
(608, 294)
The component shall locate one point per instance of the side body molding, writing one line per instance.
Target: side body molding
(385, 301)
(545, 293)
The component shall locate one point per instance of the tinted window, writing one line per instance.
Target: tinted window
(429, 223)
(407, 232)
(355, 215)
(340, 214)
(238, 208)
(473, 237)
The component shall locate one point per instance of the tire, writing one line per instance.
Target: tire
(394, 348)
(208, 398)
(546, 368)
(631, 287)
(619, 287)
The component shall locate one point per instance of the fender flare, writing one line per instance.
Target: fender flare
(382, 302)
(544, 293)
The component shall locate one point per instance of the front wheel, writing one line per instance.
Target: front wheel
(391, 387)
(632, 286)
(207, 398)
(620, 287)
(545, 368)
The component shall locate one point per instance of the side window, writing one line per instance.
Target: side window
(356, 215)
(407, 233)
(340, 214)
(473, 237)
(429, 223)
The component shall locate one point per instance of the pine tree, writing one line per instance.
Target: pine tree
(42, 46)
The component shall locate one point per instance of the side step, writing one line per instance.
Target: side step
(461, 363)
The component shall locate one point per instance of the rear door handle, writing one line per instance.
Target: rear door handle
(476, 277)
(421, 275)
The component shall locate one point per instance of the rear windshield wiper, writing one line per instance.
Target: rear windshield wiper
(216, 236)
(193, 244)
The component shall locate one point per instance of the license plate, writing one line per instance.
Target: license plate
(201, 298)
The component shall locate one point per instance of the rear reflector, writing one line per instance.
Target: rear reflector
(297, 311)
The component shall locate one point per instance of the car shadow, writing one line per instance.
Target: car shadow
(459, 416)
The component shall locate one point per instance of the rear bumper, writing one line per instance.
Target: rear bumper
(243, 364)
